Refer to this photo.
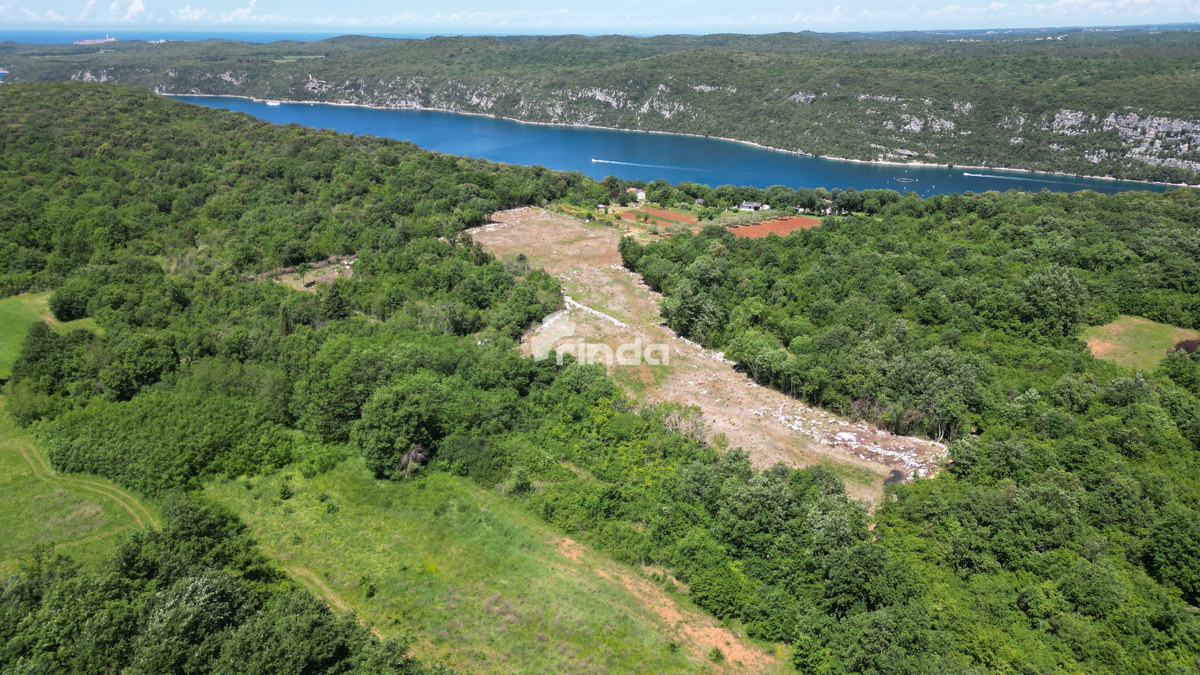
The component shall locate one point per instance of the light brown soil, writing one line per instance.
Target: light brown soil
(1100, 347)
(696, 631)
(780, 226)
(769, 425)
(570, 549)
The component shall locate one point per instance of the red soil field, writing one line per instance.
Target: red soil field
(780, 226)
(664, 217)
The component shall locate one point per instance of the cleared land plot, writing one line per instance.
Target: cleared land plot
(769, 425)
(480, 581)
(780, 226)
(16, 314)
(659, 216)
(83, 516)
(1134, 342)
(320, 272)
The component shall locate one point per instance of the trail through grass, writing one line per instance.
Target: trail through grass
(82, 516)
(480, 582)
(16, 313)
(1134, 342)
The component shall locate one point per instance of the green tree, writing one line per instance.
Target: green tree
(334, 306)
(399, 417)
(1055, 300)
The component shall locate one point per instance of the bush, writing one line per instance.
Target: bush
(70, 301)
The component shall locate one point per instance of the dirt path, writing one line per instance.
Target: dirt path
(617, 308)
(42, 471)
(323, 591)
(696, 631)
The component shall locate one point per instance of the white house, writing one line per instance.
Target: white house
(753, 206)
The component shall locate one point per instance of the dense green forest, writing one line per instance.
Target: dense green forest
(1121, 104)
(1063, 538)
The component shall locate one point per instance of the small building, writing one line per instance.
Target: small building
(641, 195)
(699, 202)
(753, 206)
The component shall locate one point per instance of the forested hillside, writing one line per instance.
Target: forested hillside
(957, 317)
(1063, 537)
(1122, 105)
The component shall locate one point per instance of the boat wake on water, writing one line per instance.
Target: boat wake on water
(1033, 180)
(651, 166)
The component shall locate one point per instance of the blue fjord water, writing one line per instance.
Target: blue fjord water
(645, 156)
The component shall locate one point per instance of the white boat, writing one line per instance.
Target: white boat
(272, 102)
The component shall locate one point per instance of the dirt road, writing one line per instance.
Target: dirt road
(609, 305)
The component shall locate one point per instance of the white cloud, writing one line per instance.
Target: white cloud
(49, 16)
(248, 15)
(189, 14)
(130, 11)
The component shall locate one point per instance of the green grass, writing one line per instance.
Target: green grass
(850, 473)
(1134, 342)
(38, 508)
(16, 313)
(479, 581)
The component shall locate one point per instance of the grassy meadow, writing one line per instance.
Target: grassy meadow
(16, 313)
(1134, 342)
(484, 585)
(36, 507)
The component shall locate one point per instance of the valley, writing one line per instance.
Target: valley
(1119, 105)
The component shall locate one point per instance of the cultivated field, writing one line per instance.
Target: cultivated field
(1134, 342)
(82, 516)
(16, 313)
(660, 216)
(483, 584)
(780, 226)
(771, 426)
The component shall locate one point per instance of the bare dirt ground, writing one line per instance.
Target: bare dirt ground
(609, 305)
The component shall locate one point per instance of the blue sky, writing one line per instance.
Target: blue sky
(634, 17)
